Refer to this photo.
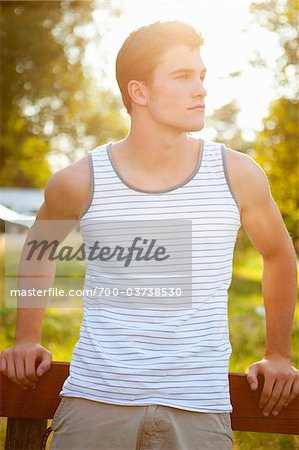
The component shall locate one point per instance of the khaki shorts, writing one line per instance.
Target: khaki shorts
(81, 424)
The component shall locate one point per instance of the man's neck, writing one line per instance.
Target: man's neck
(157, 151)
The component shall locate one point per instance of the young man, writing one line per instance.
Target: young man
(143, 378)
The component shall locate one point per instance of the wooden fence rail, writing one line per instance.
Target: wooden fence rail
(28, 411)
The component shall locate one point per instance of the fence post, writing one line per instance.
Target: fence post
(24, 433)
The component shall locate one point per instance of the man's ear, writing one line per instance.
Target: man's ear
(137, 92)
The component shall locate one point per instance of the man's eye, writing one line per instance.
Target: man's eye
(185, 76)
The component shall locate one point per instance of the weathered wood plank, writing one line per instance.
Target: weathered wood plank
(42, 402)
(25, 434)
(247, 416)
(39, 403)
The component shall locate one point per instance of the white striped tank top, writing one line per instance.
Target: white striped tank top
(174, 357)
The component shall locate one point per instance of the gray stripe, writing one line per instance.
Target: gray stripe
(92, 186)
(227, 178)
(159, 191)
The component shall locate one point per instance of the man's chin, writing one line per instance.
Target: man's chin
(196, 127)
(185, 127)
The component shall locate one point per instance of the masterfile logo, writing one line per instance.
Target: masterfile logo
(125, 263)
(67, 253)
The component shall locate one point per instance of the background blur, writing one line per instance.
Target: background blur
(59, 99)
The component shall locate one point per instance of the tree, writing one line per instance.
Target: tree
(48, 96)
(281, 18)
(276, 145)
(277, 153)
(224, 122)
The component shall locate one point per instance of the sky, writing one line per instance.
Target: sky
(231, 38)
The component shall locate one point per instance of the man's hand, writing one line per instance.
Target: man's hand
(281, 383)
(25, 363)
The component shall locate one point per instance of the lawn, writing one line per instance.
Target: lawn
(61, 331)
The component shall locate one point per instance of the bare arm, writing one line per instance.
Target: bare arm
(27, 360)
(263, 223)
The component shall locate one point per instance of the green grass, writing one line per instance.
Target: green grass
(247, 334)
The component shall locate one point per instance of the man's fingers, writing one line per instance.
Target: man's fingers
(284, 395)
(252, 376)
(295, 389)
(24, 363)
(20, 371)
(273, 397)
(30, 369)
(44, 364)
(3, 364)
(267, 390)
(21, 378)
(20, 358)
(11, 369)
(15, 370)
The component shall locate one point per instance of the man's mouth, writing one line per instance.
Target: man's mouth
(199, 106)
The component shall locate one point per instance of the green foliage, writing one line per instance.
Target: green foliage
(224, 122)
(25, 165)
(277, 152)
(281, 18)
(276, 145)
(47, 93)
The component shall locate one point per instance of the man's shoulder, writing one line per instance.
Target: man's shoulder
(243, 164)
(248, 178)
(239, 156)
(67, 191)
(69, 178)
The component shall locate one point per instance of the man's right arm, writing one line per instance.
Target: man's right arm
(26, 361)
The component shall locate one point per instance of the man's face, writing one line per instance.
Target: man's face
(175, 96)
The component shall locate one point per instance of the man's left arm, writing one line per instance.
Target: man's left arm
(263, 223)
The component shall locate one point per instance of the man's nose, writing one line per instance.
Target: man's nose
(199, 89)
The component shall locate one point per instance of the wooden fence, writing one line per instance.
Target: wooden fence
(28, 411)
